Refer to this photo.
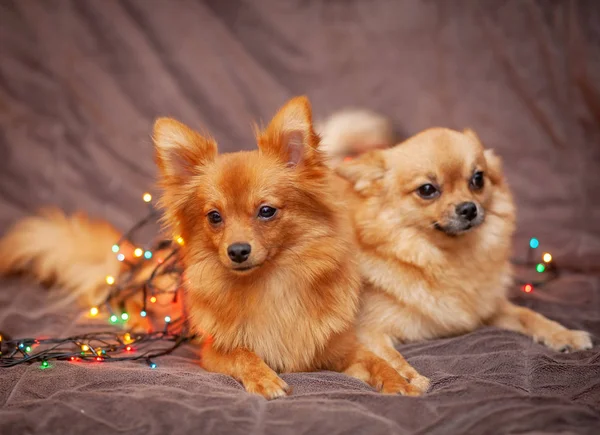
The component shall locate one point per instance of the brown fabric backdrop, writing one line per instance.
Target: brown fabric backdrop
(81, 81)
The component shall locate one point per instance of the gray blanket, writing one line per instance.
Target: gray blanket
(81, 81)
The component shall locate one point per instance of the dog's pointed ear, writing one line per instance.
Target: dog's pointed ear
(471, 134)
(179, 150)
(494, 166)
(365, 172)
(290, 135)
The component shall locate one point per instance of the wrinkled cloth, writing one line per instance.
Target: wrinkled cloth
(82, 81)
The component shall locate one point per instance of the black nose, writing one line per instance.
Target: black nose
(467, 210)
(239, 252)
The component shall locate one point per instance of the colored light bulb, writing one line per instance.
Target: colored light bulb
(124, 316)
(138, 252)
(94, 311)
(527, 288)
(540, 268)
(153, 365)
(21, 345)
(147, 197)
(180, 240)
(534, 243)
(121, 257)
(153, 299)
(167, 319)
(110, 280)
(547, 257)
(128, 348)
(85, 348)
(115, 248)
(45, 364)
(143, 313)
(99, 359)
(114, 318)
(28, 349)
(73, 358)
(147, 255)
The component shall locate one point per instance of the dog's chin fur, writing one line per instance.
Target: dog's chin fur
(426, 280)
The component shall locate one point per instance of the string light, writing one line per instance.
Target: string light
(547, 257)
(152, 365)
(115, 346)
(540, 268)
(527, 288)
(106, 347)
(534, 243)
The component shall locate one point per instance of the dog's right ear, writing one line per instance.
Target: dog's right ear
(180, 151)
(365, 172)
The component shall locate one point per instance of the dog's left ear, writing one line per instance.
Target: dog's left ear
(290, 135)
(493, 161)
(365, 172)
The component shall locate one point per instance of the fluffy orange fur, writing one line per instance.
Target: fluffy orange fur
(291, 305)
(427, 273)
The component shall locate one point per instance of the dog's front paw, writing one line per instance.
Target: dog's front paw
(569, 340)
(268, 385)
(420, 382)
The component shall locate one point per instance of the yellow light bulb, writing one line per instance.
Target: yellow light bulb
(127, 338)
(153, 299)
(110, 280)
(94, 311)
(85, 348)
(180, 240)
(138, 252)
(547, 257)
(147, 197)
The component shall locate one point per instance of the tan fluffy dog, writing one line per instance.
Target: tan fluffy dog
(434, 217)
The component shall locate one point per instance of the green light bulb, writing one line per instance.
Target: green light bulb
(540, 268)
(113, 319)
(124, 316)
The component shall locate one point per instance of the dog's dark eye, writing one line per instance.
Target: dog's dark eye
(214, 217)
(265, 212)
(428, 191)
(477, 181)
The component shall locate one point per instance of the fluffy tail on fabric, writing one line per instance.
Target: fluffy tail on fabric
(351, 132)
(73, 252)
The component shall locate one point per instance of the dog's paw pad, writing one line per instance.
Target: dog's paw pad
(270, 387)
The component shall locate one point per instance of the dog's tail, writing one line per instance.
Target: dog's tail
(73, 252)
(351, 132)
